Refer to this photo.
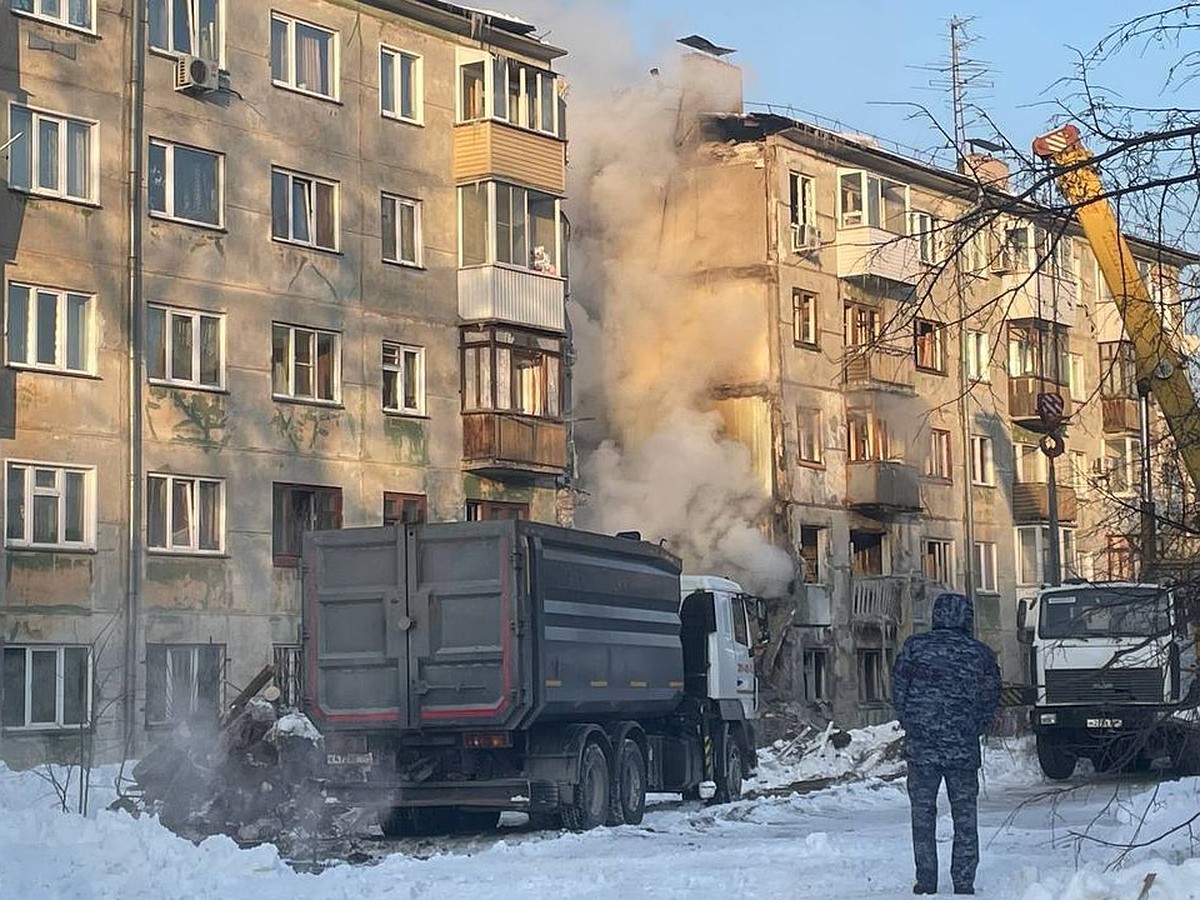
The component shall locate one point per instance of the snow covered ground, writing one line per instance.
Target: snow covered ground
(847, 841)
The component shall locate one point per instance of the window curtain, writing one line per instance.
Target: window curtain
(79, 13)
(196, 188)
(312, 59)
(79, 159)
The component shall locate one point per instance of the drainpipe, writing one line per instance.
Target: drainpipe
(138, 31)
(964, 422)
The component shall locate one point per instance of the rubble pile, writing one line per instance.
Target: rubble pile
(812, 758)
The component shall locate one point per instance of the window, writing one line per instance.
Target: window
(304, 209)
(810, 553)
(815, 664)
(1079, 473)
(983, 464)
(306, 364)
(289, 674)
(1014, 256)
(521, 229)
(809, 436)
(509, 91)
(930, 346)
(403, 379)
(506, 371)
(976, 253)
(1038, 351)
(939, 463)
(49, 329)
(299, 508)
(802, 210)
(72, 13)
(937, 561)
(1033, 554)
(184, 513)
(47, 687)
(1031, 465)
(868, 438)
(923, 227)
(867, 552)
(804, 318)
(1118, 371)
(861, 325)
(401, 77)
(979, 356)
(183, 681)
(304, 57)
(495, 510)
(186, 183)
(50, 507)
(185, 347)
(407, 509)
(192, 27)
(985, 566)
(1075, 383)
(873, 669)
(1121, 557)
(54, 156)
(866, 199)
(400, 226)
(1123, 464)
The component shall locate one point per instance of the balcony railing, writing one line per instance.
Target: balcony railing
(1121, 414)
(1023, 392)
(878, 368)
(882, 486)
(515, 296)
(1031, 502)
(1039, 296)
(879, 260)
(510, 443)
(484, 150)
(879, 599)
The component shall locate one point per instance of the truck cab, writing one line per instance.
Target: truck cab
(730, 655)
(1110, 664)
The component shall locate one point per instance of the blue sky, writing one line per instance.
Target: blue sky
(844, 59)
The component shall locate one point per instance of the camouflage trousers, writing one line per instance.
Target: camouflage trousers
(962, 788)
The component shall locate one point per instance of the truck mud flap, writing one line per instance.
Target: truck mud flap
(517, 794)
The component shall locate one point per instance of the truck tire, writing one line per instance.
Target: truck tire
(1057, 764)
(629, 800)
(730, 768)
(588, 808)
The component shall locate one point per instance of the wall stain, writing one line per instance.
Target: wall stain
(303, 428)
(204, 419)
(409, 438)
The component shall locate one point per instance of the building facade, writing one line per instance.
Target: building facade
(909, 316)
(267, 268)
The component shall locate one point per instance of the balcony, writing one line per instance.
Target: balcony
(1023, 392)
(878, 369)
(496, 150)
(1121, 415)
(879, 600)
(514, 296)
(506, 444)
(879, 261)
(878, 488)
(1031, 503)
(1039, 296)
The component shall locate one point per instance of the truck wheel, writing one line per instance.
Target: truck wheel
(629, 804)
(729, 773)
(589, 807)
(1057, 764)
(545, 821)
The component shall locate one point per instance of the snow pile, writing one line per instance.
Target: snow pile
(817, 760)
(1010, 763)
(298, 725)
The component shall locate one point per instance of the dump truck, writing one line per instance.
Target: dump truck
(1114, 670)
(458, 670)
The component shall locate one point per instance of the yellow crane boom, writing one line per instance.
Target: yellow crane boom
(1161, 368)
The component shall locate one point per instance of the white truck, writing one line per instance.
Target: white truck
(1112, 669)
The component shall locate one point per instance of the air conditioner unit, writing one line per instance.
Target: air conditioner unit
(193, 73)
(805, 238)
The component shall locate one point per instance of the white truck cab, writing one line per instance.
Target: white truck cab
(730, 646)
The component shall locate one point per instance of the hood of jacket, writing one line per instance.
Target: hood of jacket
(953, 611)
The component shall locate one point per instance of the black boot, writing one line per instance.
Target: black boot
(965, 889)
(919, 888)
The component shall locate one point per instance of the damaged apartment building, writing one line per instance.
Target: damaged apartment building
(267, 268)
(889, 398)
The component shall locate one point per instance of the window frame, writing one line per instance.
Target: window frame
(934, 337)
(30, 490)
(878, 691)
(399, 370)
(805, 331)
(62, 334)
(491, 63)
(284, 556)
(978, 367)
(193, 33)
(402, 498)
(169, 186)
(939, 463)
(983, 456)
(313, 180)
(491, 250)
(196, 315)
(196, 703)
(59, 21)
(985, 573)
(802, 207)
(291, 396)
(941, 551)
(192, 548)
(335, 57)
(418, 84)
(418, 260)
(60, 650)
(1129, 459)
(815, 677)
(923, 227)
(1068, 556)
(63, 120)
(812, 416)
(483, 376)
(864, 213)
(478, 510)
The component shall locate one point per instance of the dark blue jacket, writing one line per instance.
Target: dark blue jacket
(945, 688)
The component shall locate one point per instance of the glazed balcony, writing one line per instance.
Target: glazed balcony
(1023, 392)
(487, 150)
(1031, 503)
(878, 369)
(879, 488)
(1039, 296)
(1121, 415)
(510, 444)
(493, 293)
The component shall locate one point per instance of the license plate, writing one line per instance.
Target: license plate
(349, 759)
(1104, 723)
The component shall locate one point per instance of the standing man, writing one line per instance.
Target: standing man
(945, 690)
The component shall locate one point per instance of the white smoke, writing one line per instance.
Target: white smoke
(650, 342)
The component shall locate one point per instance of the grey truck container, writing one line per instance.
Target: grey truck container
(478, 625)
